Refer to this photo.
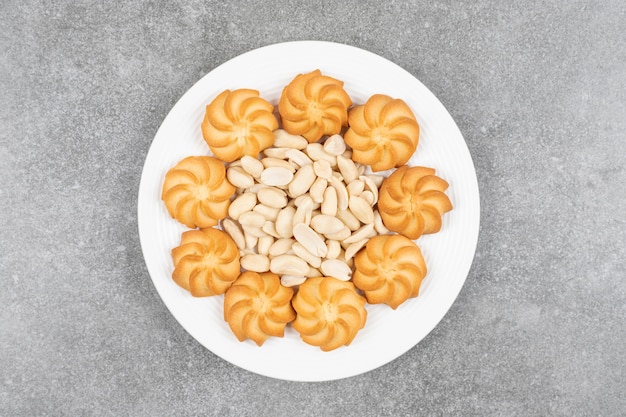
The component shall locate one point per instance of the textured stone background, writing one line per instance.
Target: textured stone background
(538, 90)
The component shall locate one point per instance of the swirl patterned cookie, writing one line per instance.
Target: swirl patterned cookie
(196, 191)
(330, 312)
(412, 201)
(257, 307)
(238, 123)
(389, 270)
(206, 262)
(313, 105)
(383, 132)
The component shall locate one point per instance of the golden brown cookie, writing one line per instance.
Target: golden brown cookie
(389, 270)
(383, 132)
(329, 312)
(314, 105)
(196, 191)
(257, 306)
(412, 200)
(238, 123)
(206, 262)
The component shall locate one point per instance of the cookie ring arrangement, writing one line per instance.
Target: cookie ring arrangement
(316, 207)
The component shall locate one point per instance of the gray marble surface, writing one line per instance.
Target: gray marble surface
(538, 90)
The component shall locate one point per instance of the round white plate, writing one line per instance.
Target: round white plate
(388, 333)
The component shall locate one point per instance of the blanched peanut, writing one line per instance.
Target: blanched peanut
(242, 204)
(233, 229)
(255, 262)
(356, 187)
(287, 140)
(252, 166)
(278, 153)
(310, 239)
(251, 218)
(317, 190)
(353, 248)
(347, 169)
(273, 197)
(302, 181)
(269, 162)
(323, 169)
(361, 209)
(325, 224)
(239, 178)
(349, 219)
(335, 145)
(337, 269)
(281, 247)
(289, 265)
(342, 192)
(329, 202)
(276, 176)
(284, 222)
(264, 244)
(298, 157)
(291, 280)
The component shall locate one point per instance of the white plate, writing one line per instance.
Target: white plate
(388, 333)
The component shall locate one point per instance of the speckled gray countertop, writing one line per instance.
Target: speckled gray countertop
(538, 90)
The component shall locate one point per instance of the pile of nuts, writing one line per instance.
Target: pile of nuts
(302, 209)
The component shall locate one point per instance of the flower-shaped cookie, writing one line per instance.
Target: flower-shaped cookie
(206, 262)
(383, 132)
(238, 123)
(329, 312)
(196, 191)
(411, 201)
(389, 270)
(314, 105)
(257, 306)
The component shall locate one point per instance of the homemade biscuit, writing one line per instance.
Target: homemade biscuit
(206, 262)
(257, 306)
(314, 105)
(329, 312)
(383, 132)
(196, 191)
(238, 123)
(389, 270)
(412, 201)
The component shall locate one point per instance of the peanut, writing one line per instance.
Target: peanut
(255, 262)
(289, 265)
